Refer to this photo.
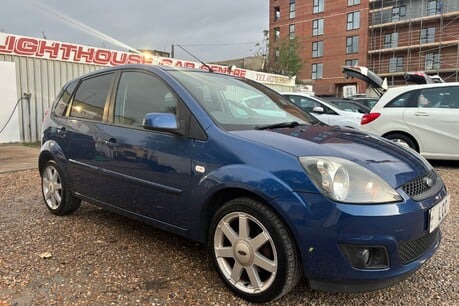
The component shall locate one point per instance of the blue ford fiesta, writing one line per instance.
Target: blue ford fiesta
(226, 161)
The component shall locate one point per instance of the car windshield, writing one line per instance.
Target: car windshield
(240, 104)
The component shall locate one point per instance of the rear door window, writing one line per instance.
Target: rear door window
(439, 97)
(90, 97)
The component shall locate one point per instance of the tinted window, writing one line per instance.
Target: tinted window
(64, 100)
(403, 100)
(90, 97)
(440, 97)
(140, 93)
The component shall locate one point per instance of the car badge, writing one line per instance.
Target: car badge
(428, 181)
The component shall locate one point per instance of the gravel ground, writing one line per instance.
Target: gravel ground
(94, 257)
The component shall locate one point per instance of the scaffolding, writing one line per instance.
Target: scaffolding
(412, 35)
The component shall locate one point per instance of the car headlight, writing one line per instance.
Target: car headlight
(345, 181)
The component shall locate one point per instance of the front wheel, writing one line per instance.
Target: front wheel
(56, 193)
(403, 140)
(253, 251)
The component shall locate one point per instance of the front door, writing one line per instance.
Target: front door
(147, 172)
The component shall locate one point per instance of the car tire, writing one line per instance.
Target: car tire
(55, 191)
(253, 251)
(403, 140)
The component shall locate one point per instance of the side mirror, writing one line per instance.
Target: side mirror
(161, 122)
(318, 109)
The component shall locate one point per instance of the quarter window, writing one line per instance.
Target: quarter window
(64, 100)
(140, 93)
(89, 101)
(404, 100)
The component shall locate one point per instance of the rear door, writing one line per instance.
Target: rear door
(80, 132)
(435, 120)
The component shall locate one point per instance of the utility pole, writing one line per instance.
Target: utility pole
(172, 51)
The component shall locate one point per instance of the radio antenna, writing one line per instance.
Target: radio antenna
(189, 53)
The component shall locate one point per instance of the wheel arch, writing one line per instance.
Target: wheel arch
(406, 134)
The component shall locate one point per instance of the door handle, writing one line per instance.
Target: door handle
(421, 114)
(111, 142)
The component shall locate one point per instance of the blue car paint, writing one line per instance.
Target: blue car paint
(262, 163)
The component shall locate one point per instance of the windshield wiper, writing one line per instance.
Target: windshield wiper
(289, 124)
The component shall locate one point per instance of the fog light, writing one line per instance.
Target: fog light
(366, 257)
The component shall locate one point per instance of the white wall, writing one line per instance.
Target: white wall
(8, 98)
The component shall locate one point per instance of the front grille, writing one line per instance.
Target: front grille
(411, 250)
(421, 185)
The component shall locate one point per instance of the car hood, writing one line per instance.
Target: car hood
(390, 161)
(366, 75)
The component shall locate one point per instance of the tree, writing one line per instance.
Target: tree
(288, 60)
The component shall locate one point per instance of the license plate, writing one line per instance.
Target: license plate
(438, 213)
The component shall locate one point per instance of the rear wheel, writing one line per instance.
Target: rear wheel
(253, 252)
(403, 140)
(56, 193)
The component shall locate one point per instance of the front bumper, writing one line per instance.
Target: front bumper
(400, 228)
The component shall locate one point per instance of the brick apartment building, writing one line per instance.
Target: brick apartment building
(390, 37)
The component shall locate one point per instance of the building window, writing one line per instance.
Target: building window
(432, 61)
(292, 9)
(276, 53)
(318, 6)
(396, 64)
(317, 48)
(433, 7)
(276, 13)
(353, 20)
(317, 27)
(427, 35)
(316, 71)
(397, 12)
(352, 44)
(351, 62)
(391, 40)
(353, 2)
(291, 30)
(276, 34)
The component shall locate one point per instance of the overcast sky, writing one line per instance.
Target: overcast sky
(210, 29)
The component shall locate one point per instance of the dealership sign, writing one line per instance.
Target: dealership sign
(61, 51)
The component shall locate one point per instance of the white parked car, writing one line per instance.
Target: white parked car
(325, 111)
(423, 117)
